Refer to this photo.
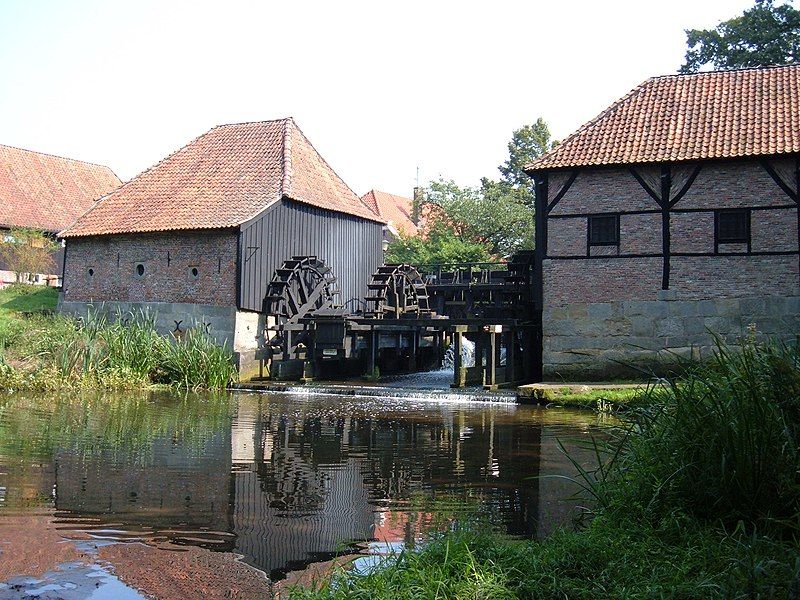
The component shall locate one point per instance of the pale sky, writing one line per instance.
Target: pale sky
(379, 88)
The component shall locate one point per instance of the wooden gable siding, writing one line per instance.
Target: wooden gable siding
(349, 245)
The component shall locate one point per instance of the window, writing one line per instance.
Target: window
(604, 230)
(139, 270)
(733, 226)
(194, 273)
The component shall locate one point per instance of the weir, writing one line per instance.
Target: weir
(481, 317)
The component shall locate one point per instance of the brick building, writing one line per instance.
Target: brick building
(196, 239)
(46, 193)
(671, 215)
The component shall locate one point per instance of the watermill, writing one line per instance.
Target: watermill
(397, 292)
(302, 286)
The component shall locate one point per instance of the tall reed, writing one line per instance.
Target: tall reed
(721, 444)
(127, 352)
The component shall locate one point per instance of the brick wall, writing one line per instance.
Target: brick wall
(603, 190)
(572, 281)
(719, 185)
(605, 315)
(167, 258)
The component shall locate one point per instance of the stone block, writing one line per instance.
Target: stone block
(728, 307)
(667, 295)
(683, 308)
(775, 305)
(559, 327)
(600, 311)
(694, 326)
(721, 325)
(752, 306)
(707, 308)
(669, 327)
(643, 326)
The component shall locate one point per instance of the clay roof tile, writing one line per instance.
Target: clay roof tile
(719, 114)
(222, 179)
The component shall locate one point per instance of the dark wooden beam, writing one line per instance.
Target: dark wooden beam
(793, 194)
(564, 189)
(666, 188)
(682, 192)
(653, 194)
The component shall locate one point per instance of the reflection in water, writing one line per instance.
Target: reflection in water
(283, 479)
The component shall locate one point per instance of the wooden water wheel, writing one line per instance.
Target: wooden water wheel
(398, 291)
(302, 286)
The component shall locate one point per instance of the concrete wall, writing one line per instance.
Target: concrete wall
(241, 331)
(104, 268)
(605, 305)
(607, 339)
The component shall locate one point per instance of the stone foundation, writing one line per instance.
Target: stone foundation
(242, 331)
(624, 338)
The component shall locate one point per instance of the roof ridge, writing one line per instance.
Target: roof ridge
(289, 118)
(325, 162)
(77, 160)
(724, 71)
(286, 158)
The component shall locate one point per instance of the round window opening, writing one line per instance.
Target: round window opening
(91, 272)
(140, 270)
(195, 272)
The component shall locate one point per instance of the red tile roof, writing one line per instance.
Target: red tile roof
(719, 114)
(395, 210)
(48, 192)
(222, 179)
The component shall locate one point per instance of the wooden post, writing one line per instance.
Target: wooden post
(372, 353)
(458, 343)
(511, 356)
(414, 340)
(491, 362)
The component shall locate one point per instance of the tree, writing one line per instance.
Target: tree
(27, 252)
(478, 224)
(764, 35)
(441, 245)
(527, 144)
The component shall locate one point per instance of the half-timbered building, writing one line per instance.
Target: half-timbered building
(196, 239)
(669, 218)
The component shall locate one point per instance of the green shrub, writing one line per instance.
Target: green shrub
(722, 444)
(125, 352)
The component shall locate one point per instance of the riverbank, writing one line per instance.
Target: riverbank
(698, 496)
(42, 351)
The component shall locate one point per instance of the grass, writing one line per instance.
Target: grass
(608, 399)
(696, 495)
(18, 302)
(45, 352)
(605, 560)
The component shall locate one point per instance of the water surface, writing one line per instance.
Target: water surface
(280, 479)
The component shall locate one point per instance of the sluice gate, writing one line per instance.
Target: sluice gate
(407, 320)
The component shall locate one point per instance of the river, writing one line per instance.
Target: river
(171, 495)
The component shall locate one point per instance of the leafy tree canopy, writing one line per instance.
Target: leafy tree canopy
(766, 34)
(478, 224)
(440, 246)
(527, 144)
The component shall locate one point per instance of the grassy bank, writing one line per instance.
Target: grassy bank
(697, 496)
(43, 351)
